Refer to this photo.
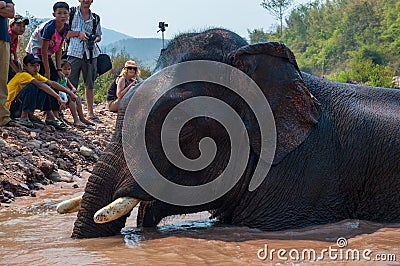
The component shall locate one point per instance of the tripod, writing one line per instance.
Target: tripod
(162, 26)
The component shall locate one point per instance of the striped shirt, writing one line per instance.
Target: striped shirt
(76, 48)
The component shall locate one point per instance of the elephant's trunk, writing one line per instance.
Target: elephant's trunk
(99, 192)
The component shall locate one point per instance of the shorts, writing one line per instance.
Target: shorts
(89, 71)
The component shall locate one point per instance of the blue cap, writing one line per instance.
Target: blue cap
(31, 59)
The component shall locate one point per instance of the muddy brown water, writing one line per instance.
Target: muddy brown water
(32, 233)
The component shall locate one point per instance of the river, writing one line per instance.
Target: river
(32, 233)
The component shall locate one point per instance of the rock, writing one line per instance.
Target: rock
(66, 176)
(61, 163)
(96, 142)
(34, 143)
(61, 176)
(4, 135)
(24, 186)
(74, 145)
(55, 176)
(3, 143)
(8, 194)
(53, 146)
(46, 167)
(87, 152)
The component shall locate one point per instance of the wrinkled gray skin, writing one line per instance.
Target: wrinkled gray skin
(337, 157)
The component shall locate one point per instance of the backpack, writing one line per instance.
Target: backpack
(96, 21)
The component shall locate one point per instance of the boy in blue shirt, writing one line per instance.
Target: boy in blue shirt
(47, 40)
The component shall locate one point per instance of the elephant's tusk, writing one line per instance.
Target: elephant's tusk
(68, 206)
(115, 210)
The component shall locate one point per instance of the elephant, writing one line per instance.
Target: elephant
(337, 147)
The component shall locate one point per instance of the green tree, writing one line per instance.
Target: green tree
(258, 35)
(277, 8)
(103, 82)
(346, 40)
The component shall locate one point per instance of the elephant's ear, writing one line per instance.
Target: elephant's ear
(274, 68)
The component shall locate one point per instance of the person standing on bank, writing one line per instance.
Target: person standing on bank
(6, 11)
(82, 53)
(47, 40)
(16, 28)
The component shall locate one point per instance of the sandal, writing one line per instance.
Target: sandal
(62, 121)
(26, 123)
(94, 118)
(36, 120)
(55, 123)
(11, 123)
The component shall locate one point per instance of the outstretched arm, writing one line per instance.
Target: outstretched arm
(70, 86)
(58, 87)
(45, 58)
(47, 89)
(121, 89)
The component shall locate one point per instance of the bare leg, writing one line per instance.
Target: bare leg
(50, 115)
(113, 106)
(24, 115)
(56, 114)
(80, 113)
(89, 100)
(74, 113)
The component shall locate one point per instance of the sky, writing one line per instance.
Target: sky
(140, 18)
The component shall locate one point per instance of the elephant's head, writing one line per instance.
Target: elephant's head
(274, 69)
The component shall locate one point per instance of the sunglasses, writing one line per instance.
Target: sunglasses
(132, 68)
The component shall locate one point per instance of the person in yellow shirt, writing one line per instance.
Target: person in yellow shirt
(28, 91)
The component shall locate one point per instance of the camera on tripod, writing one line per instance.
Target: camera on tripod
(162, 26)
(90, 42)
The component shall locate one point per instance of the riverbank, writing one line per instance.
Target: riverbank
(40, 158)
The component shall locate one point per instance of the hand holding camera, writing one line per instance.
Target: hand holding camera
(91, 40)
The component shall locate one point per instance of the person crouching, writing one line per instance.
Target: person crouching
(28, 91)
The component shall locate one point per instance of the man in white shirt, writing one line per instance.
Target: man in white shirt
(81, 56)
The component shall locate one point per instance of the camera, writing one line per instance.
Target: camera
(162, 26)
(90, 42)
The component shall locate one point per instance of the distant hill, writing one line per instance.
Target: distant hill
(145, 50)
(110, 36)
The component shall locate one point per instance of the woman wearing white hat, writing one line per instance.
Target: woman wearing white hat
(128, 78)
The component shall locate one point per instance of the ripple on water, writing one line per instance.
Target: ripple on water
(39, 236)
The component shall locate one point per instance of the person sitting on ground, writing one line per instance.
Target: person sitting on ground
(47, 39)
(16, 27)
(75, 106)
(128, 78)
(28, 91)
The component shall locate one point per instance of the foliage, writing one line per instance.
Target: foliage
(367, 73)
(277, 8)
(102, 83)
(345, 40)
